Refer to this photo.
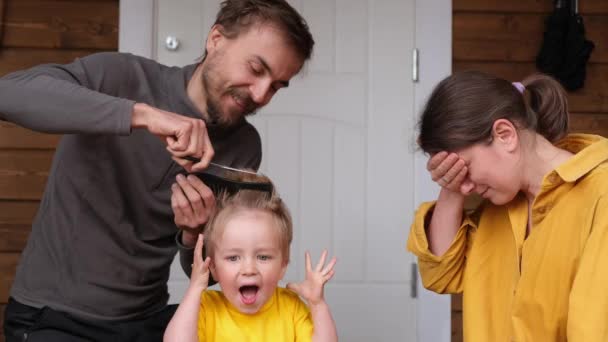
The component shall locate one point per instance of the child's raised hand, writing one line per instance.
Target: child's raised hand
(311, 289)
(200, 269)
(450, 172)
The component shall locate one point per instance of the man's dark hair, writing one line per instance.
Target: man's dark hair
(236, 16)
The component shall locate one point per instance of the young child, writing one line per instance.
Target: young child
(532, 259)
(247, 243)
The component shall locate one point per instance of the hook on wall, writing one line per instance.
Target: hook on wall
(573, 5)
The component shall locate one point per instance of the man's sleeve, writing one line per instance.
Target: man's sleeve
(248, 153)
(255, 158)
(80, 97)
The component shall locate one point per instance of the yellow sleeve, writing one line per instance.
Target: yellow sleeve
(442, 274)
(201, 319)
(588, 307)
(302, 322)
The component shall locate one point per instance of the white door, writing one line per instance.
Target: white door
(339, 144)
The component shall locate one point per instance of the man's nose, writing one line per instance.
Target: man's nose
(260, 92)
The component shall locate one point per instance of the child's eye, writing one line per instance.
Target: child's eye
(232, 258)
(264, 257)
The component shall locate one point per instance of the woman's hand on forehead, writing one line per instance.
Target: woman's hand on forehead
(450, 171)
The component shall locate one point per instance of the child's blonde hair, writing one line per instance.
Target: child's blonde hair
(229, 205)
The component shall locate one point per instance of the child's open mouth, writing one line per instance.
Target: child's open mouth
(249, 293)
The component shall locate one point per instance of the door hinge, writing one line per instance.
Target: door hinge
(415, 64)
(414, 281)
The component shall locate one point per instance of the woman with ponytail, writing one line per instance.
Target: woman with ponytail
(531, 259)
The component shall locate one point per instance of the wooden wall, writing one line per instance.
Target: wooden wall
(503, 38)
(34, 32)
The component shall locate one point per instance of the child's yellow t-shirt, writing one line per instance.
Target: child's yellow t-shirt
(283, 318)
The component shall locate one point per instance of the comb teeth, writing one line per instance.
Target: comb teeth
(219, 184)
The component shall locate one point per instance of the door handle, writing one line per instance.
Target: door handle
(171, 43)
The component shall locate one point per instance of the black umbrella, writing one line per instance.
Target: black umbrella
(565, 50)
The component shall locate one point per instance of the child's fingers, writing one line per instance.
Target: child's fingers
(198, 249)
(328, 276)
(206, 263)
(330, 266)
(308, 263)
(295, 287)
(321, 261)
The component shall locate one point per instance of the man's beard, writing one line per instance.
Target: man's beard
(216, 116)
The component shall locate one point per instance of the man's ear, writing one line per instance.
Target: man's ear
(506, 134)
(215, 38)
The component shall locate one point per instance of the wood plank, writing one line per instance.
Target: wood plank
(457, 330)
(13, 238)
(114, 1)
(492, 26)
(15, 224)
(23, 173)
(17, 212)
(2, 6)
(457, 302)
(592, 123)
(15, 137)
(529, 6)
(593, 98)
(61, 24)
(2, 308)
(514, 37)
(13, 59)
(8, 266)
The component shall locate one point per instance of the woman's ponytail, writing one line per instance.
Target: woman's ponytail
(548, 101)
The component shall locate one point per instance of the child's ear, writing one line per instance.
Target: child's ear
(283, 269)
(505, 133)
(212, 268)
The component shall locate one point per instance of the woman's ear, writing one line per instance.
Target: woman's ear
(505, 133)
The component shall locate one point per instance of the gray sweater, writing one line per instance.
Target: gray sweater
(104, 238)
